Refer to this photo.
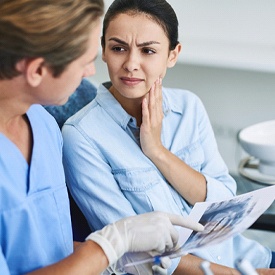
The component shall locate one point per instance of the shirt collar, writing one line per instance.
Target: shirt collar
(170, 105)
(107, 101)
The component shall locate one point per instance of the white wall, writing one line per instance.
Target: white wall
(232, 33)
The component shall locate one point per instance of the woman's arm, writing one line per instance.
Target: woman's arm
(91, 181)
(190, 265)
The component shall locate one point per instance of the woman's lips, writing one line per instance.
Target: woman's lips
(131, 81)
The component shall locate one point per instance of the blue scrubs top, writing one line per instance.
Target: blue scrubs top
(35, 224)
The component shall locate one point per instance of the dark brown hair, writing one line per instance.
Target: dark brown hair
(158, 10)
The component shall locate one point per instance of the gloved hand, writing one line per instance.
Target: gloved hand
(152, 232)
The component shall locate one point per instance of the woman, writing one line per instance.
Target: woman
(140, 147)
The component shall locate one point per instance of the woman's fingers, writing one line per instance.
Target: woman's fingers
(155, 103)
(152, 115)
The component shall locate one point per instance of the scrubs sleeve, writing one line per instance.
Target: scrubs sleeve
(91, 182)
(220, 185)
(3, 264)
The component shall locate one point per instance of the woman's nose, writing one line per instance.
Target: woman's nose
(132, 62)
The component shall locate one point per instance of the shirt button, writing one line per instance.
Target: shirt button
(219, 258)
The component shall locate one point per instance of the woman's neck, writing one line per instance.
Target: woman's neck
(131, 105)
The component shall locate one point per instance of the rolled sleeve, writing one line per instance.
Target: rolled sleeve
(224, 190)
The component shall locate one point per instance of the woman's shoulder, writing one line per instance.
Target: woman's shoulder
(180, 96)
(179, 92)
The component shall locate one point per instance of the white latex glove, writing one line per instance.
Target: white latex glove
(121, 268)
(160, 269)
(149, 268)
(152, 232)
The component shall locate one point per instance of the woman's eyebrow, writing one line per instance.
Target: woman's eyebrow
(144, 44)
(118, 41)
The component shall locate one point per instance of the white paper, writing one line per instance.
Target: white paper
(225, 219)
(222, 220)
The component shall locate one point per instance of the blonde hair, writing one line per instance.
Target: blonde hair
(56, 30)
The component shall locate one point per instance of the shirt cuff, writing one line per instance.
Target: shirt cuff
(217, 190)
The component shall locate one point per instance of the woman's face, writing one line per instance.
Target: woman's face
(137, 54)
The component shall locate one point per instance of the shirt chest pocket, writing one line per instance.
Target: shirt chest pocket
(136, 180)
(192, 155)
(146, 190)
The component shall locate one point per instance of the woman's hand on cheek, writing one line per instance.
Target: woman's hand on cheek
(152, 115)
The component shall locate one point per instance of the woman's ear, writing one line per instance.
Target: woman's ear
(103, 50)
(173, 56)
(34, 70)
(103, 55)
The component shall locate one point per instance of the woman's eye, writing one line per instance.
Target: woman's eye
(148, 51)
(118, 49)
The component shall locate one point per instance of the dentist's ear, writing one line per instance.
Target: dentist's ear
(33, 70)
(173, 56)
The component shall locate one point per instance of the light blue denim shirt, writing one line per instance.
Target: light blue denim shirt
(110, 177)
